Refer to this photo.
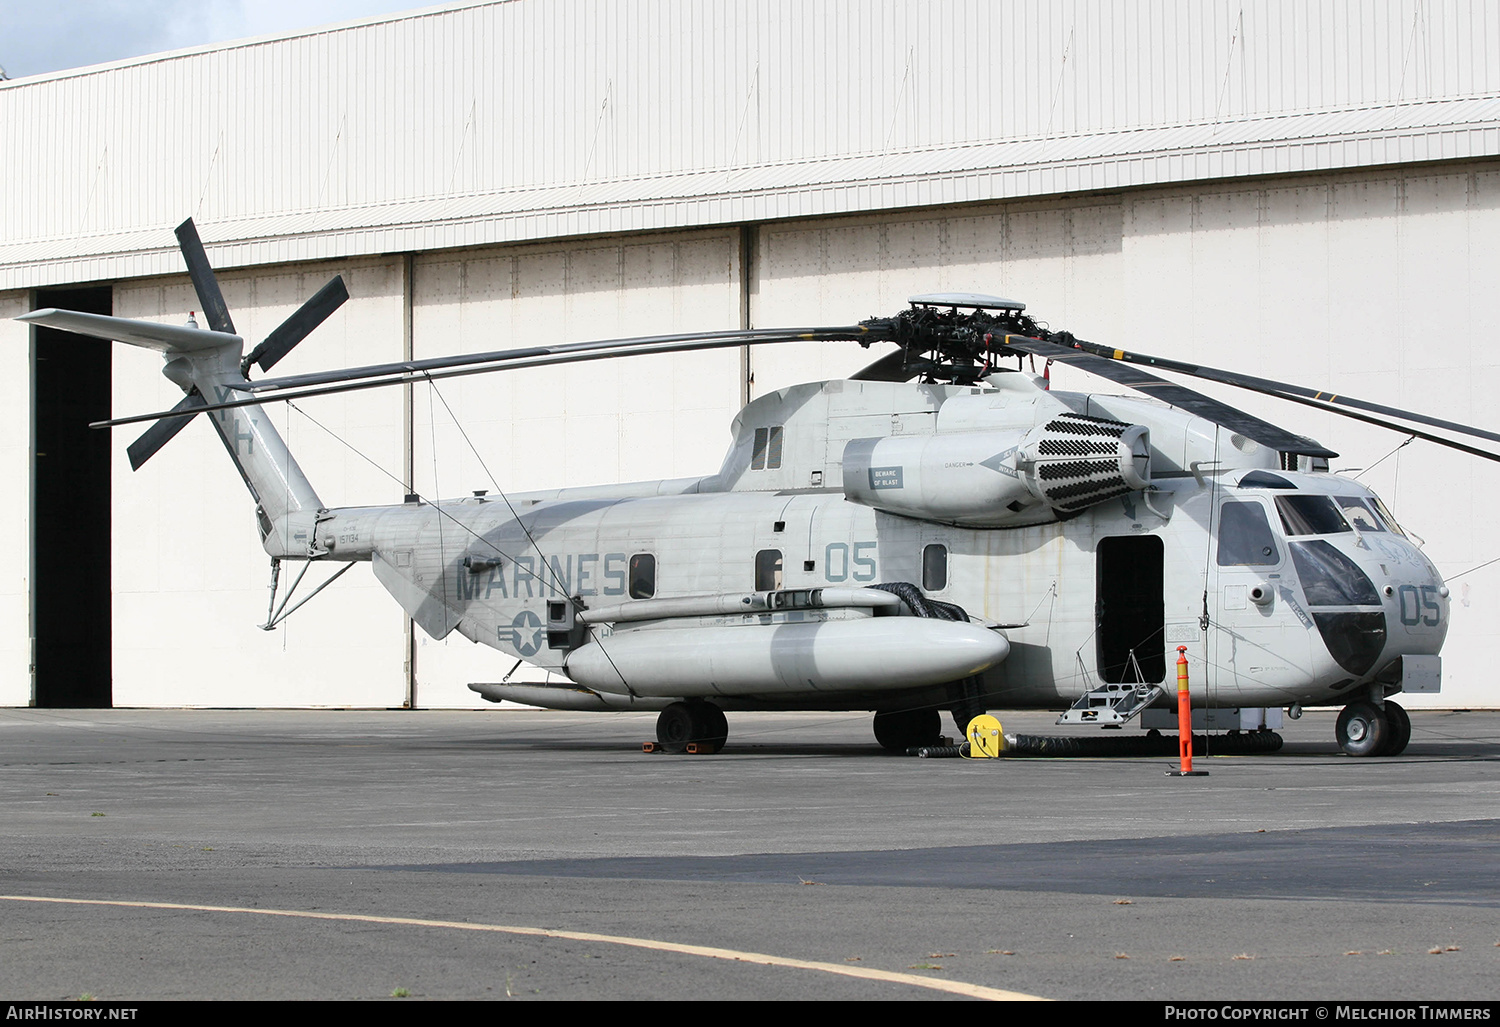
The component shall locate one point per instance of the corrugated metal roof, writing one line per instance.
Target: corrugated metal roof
(487, 123)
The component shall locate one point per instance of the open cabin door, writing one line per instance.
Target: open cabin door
(1129, 610)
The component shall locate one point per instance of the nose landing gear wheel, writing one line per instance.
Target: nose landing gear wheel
(1362, 729)
(1400, 734)
(684, 722)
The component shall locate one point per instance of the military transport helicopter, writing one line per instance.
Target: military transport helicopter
(936, 532)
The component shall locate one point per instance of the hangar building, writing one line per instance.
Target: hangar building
(1307, 191)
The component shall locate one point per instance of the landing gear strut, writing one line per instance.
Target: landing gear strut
(696, 721)
(1365, 729)
(899, 730)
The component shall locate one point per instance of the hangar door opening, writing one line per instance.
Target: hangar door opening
(70, 509)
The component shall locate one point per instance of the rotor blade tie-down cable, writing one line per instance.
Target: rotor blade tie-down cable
(541, 556)
(399, 481)
(557, 579)
(1402, 445)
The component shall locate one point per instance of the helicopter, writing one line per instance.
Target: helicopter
(938, 532)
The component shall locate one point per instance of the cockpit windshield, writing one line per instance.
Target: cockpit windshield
(1359, 515)
(1310, 515)
(1385, 515)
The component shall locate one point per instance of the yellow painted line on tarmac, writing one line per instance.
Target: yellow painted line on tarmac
(706, 951)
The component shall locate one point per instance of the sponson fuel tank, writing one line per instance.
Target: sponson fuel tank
(869, 654)
(992, 479)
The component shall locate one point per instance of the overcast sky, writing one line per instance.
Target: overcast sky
(38, 36)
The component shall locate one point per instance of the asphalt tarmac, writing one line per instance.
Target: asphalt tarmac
(513, 854)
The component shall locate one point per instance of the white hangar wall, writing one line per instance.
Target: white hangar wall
(1304, 191)
(190, 579)
(1346, 280)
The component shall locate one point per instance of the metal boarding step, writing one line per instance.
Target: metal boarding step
(1112, 704)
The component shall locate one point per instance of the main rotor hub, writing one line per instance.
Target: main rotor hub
(955, 337)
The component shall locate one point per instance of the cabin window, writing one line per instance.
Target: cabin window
(1359, 514)
(767, 570)
(767, 452)
(1245, 538)
(1310, 515)
(642, 576)
(935, 568)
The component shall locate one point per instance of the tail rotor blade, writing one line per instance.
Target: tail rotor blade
(204, 282)
(296, 328)
(163, 431)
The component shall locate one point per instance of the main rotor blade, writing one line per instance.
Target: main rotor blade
(1236, 420)
(708, 340)
(163, 431)
(296, 328)
(1403, 429)
(204, 282)
(1327, 400)
(536, 357)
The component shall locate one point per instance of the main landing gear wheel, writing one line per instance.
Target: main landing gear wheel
(1400, 734)
(684, 722)
(899, 730)
(1363, 729)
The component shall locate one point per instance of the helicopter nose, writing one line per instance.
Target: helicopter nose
(1344, 604)
(1418, 610)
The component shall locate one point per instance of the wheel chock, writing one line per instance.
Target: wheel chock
(653, 747)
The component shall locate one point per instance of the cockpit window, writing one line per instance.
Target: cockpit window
(1310, 515)
(1385, 515)
(1245, 538)
(1359, 515)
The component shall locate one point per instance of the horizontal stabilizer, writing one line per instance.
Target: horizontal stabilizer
(161, 337)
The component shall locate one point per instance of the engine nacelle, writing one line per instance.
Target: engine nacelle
(993, 479)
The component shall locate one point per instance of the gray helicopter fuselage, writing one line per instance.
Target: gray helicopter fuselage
(846, 485)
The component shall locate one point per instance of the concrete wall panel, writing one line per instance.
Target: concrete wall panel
(190, 576)
(582, 424)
